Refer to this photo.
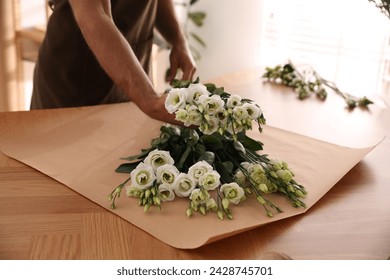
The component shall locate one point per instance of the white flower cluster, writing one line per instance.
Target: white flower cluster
(196, 106)
(157, 179)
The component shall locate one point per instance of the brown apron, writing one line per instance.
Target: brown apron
(68, 75)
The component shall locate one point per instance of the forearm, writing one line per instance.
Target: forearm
(167, 24)
(116, 56)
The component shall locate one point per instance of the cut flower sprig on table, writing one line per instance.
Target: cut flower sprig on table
(306, 82)
(210, 161)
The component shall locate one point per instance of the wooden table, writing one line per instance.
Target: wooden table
(43, 219)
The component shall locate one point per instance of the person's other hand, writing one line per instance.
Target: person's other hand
(181, 58)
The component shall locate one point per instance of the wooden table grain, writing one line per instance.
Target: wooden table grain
(43, 219)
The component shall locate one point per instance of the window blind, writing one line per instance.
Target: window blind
(344, 40)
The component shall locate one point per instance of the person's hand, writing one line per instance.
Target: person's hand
(181, 58)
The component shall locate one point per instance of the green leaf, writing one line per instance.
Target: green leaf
(224, 170)
(211, 142)
(250, 143)
(246, 100)
(208, 156)
(210, 87)
(142, 155)
(197, 18)
(229, 166)
(183, 158)
(198, 39)
(289, 67)
(126, 167)
(199, 150)
(180, 83)
(176, 151)
(167, 129)
(219, 91)
(186, 134)
(215, 90)
(190, 136)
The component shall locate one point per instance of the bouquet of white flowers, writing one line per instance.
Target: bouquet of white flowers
(210, 160)
(212, 109)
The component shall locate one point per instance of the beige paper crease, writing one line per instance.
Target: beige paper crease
(81, 147)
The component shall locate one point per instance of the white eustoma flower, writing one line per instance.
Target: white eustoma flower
(175, 100)
(258, 174)
(253, 110)
(195, 91)
(211, 104)
(210, 126)
(184, 185)
(166, 192)
(143, 176)
(167, 174)
(194, 116)
(240, 113)
(221, 115)
(158, 158)
(198, 170)
(210, 180)
(234, 128)
(182, 116)
(233, 192)
(233, 101)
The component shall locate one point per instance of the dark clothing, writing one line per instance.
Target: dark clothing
(68, 75)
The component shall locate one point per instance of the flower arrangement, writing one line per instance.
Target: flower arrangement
(210, 161)
(212, 109)
(308, 82)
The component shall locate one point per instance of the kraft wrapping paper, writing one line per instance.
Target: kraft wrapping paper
(81, 147)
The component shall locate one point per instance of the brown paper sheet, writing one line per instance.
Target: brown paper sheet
(81, 148)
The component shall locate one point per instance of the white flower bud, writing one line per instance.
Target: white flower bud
(225, 203)
(263, 188)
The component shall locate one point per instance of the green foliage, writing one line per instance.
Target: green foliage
(197, 18)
